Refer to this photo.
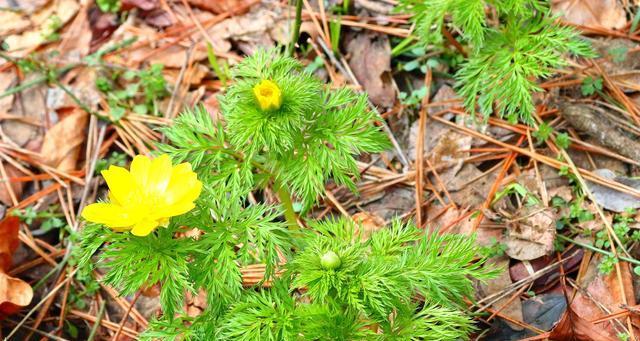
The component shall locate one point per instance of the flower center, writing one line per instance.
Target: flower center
(266, 92)
(268, 95)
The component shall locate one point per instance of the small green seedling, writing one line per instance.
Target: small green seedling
(510, 46)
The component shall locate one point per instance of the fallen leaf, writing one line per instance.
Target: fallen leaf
(14, 293)
(370, 61)
(62, 143)
(193, 75)
(620, 61)
(55, 14)
(390, 203)
(507, 306)
(470, 194)
(520, 270)
(531, 233)
(449, 152)
(25, 7)
(7, 80)
(264, 25)
(444, 147)
(544, 311)
(612, 199)
(368, 222)
(15, 15)
(102, 27)
(145, 5)
(219, 6)
(29, 110)
(9, 241)
(575, 328)
(75, 38)
(602, 13)
(459, 221)
(604, 289)
(157, 18)
(195, 304)
(12, 22)
(16, 186)
(587, 120)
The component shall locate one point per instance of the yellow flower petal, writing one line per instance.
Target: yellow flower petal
(144, 227)
(111, 215)
(268, 95)
(183, 181)
(120, 183)
(140, 167)
(146, 197)
(174, 210)
(159, 176)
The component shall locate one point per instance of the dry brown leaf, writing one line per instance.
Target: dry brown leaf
(444, 146)
(12, 22)
(450, 151)
(63, 141)
(7, 80)
(602, 13)
(604, 289)
(9, 241)
(506, 305)
(192, 76)
(219, 6)
(14, 293)
(531, 234)
(76, 38)
(15, 15)
(368, 223)
(145, 5)
(16, 186)
(572, 327)
(195, 304)
(29, 110)
(262, 27)
(370, 61)
(612, 199)
(23, 6)
(470, 194)
(56, 13)
(523, 270)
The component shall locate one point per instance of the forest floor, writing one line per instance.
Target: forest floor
(82, 89)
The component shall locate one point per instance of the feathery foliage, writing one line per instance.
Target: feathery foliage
(505, 59)
(285, 130)
(374, 286)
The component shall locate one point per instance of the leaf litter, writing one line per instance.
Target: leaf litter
(50, 147)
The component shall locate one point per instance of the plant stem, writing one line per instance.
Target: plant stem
(296, 28)
(595, 249)
(289, 213)
(94, 329)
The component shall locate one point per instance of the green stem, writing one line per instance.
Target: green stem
(289, 213)
(75, 98)
(595, 249)
(94, 329)
(296, 28)
(23, 86)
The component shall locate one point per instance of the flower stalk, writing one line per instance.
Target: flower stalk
(296, 29)
(289, 213)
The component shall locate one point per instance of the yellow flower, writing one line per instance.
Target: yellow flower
(268, 95)
(147, 196)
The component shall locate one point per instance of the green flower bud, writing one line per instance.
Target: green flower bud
(330, 261)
